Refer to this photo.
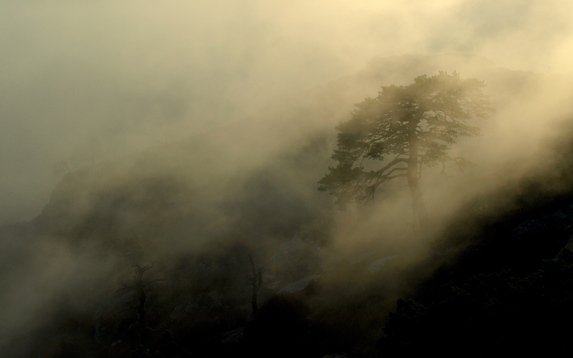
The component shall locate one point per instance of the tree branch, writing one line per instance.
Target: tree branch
(444, 170)
(391, 164)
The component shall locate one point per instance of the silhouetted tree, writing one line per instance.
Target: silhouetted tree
(141, 298)
(85, 153)
(257, 282)
(414, 125)
(60, 167)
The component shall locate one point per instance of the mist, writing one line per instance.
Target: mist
(180, 133)
(132, 75)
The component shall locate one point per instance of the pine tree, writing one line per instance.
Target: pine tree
(402, 129)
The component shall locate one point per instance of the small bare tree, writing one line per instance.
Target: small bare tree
(257, 282)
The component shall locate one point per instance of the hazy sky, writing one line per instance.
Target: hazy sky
(130, 74)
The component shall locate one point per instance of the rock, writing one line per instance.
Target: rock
(570, 211)
(296, 258)
(529, 229)
(299, 285)
(559, 221)
(291, 246)
(177, 313)
(355, 261)
(234, 336)
(379, 264)
(271, 281)
(566, 253)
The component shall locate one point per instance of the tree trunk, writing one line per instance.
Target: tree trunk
(418, 207)
(257, 282)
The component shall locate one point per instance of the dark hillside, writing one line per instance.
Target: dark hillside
(148, 255)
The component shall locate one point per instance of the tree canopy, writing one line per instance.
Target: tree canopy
(399, 131)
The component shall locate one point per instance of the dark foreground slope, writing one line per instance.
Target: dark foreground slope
(506, 282)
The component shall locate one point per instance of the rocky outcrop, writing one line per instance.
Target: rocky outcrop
(382, 263)
(299, 285)
(295, 259)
